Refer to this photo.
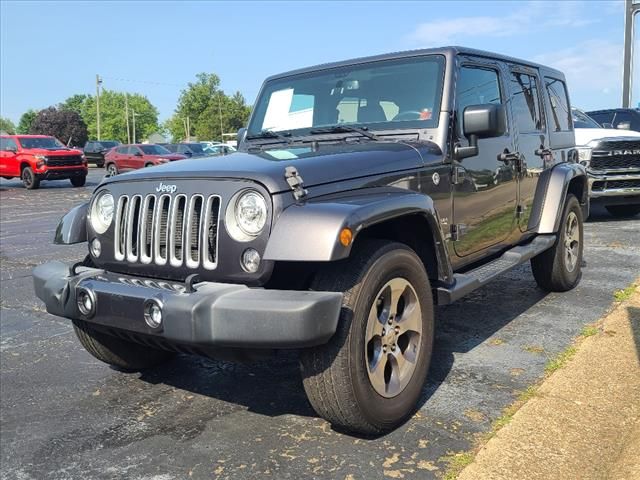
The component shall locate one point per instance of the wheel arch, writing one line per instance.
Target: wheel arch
(551, 194)
(310, 232)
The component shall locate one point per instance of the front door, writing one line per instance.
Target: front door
(532, 142)
(485, 193)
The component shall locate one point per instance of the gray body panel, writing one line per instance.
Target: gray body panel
(73, 226)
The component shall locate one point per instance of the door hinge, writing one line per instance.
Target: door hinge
(458, 175)
(295, 181)
(457, 230)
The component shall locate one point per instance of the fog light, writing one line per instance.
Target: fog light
(86, 302)
(153, 313)
(250, 260)
(96, 247)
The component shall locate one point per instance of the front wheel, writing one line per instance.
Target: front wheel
(559, 269)
(112, 170)
(368, 377)
(623, 211)
(78, 181)
(29, 179)
(117, 352)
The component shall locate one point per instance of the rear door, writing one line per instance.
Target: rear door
(532, 143)
(484, 197)
(9, 164)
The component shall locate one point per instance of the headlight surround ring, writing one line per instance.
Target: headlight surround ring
(101, 213)
(246, 215)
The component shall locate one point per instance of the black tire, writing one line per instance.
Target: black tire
(147, 165)
(114, 351)
(112, 170)
(552, 268)
(78, 181)
(336, 376)
(622, 211)
(99, 164)
(29, 179)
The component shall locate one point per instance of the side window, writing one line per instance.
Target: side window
(602, 117)
(476, 86)
(133, 150)
(560, 113)
(525, 103)
(8, 144)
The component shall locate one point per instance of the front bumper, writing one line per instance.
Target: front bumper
(62, 173)
(213, 315)
(614, 184)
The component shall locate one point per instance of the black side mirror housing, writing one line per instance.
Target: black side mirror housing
(481, 121)
(242, 133)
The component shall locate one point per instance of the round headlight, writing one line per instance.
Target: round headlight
(251, 212)
(102, 212)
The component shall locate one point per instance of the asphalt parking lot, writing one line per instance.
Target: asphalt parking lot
(65, 415)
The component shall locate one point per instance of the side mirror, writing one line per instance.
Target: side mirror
(242, 133)
(481, 121)
(624, 126)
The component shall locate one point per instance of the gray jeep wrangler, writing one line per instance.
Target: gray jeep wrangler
(363, 193)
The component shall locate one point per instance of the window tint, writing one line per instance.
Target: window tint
(525, 104)
(8, 143)
(560, 114)
(476, 86)
(602, 117)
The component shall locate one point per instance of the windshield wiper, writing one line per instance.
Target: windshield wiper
(346, 129)
(271, 134)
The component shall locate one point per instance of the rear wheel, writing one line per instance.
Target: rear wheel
(117, 352)
(29, 179)
(623, 210)
(112, 170)
(559, 268)
(78, 181)
(369, 376)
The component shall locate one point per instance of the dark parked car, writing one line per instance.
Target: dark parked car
(348, 211)
(619, 118)
(94, 150)
(191, 150)
(131, 157)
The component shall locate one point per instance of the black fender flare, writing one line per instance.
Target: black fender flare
(309, 232)
(551, 194)
(72, 228)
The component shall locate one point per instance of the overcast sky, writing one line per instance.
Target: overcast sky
(51, 50)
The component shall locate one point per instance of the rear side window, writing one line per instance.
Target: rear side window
(8, 144)
(476, 86)
(560, 113)
(525, 103)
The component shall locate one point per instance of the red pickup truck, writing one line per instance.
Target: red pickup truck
(34, 158)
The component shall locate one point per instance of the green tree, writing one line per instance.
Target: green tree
(75, 103)
(209, 110)
(7, 126)
(27, 118)
(113, 121)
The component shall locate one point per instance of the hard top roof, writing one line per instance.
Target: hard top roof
(448, 52)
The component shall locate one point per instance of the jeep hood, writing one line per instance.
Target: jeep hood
(325, 164)
(585, 135)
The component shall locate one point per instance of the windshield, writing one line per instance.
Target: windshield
(582, 120)
(389, 94)
(154, 150)
(48, 143)
(109, 144)
(195, 147)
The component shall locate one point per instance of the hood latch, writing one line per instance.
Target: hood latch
(295, 182)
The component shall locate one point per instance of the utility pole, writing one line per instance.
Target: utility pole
(630, 10)
(220, 111)
(98, 83)
(126, 115)
(133, 114)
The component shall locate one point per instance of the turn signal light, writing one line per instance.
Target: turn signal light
(346, 236)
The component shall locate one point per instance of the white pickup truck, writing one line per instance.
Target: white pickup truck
(612, 158)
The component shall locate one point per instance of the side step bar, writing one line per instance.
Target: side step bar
(467, 282)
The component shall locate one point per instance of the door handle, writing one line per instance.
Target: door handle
(508, 157)
(542, 151)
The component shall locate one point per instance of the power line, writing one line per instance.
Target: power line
(148, 82)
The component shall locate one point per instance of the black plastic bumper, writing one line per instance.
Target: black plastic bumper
(62, 174)
(214, 314)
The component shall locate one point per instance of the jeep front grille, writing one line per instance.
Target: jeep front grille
(616, 155)
(161, 229)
